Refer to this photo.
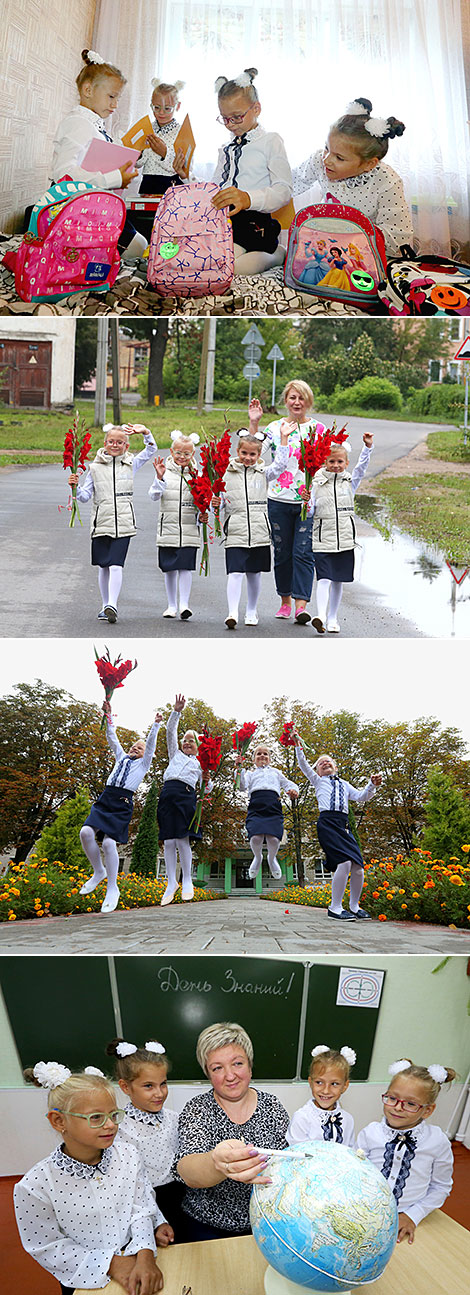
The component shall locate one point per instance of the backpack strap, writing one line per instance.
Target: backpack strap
(61, 192)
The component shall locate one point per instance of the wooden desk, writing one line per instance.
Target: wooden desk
(438, 1263)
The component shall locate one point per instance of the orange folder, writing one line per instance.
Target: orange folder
(136, 136)
(185, 140)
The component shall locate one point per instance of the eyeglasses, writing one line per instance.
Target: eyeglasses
(411, 1107)
(96, 1120)
(236, 119)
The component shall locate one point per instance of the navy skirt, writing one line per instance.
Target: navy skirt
(176, 807)
(335, 566)
(249, 561)
(336, 839)
(172, 559)
(264, 817)
(111, 814)
(106, 552)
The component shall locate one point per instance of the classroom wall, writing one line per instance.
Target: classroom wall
(41, 47)
(422, 1015)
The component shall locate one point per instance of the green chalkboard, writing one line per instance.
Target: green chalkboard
(60, 1009)
(326, 1022)
(173, 999)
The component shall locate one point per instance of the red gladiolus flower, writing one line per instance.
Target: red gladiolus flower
(286, 738)
(240, 741)
(201, 490)
(209, 756)
(112, 674)
(215, 456)
(77, 445)
(314, 451)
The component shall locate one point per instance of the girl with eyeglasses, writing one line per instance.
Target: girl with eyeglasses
(253, 174)
(415, 1157)
(86, 1212)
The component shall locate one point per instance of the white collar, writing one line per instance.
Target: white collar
(144, 1117)
(417, 1130)
(77, 1168)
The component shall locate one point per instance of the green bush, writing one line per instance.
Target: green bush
(369, 393)
(62, 839)
(438, 400)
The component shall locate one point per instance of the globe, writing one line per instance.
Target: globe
(328, 1220)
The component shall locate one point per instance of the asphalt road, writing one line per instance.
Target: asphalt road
(50, 589)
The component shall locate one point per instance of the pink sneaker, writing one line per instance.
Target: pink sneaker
(284, 612)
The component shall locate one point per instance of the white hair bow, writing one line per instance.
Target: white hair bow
(244, 431)
(176, 435)
(50, 1073)
(438, 1073)
(221, 80)
(126, 1049)
(321, 1047)
(93, 57)
(349, 1055)
(356, 109)
(397, 1066)
(243, 79)
(92, 1070)
(156, 81)
(154, 1047)
(377, 126)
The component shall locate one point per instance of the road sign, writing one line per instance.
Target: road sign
(458, 573)
(275, 353)
(253, 353)
(463, 352)
(251, 371)
(253, 336)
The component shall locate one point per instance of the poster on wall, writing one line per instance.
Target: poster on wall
(359, 987)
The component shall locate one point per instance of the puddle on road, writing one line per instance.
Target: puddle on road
(411, 576)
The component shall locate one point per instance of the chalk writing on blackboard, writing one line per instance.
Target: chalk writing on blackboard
(170, 981)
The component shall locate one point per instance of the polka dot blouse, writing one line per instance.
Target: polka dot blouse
(72, 1218)
(378, 194)
(156, 1137)
(202, 1124)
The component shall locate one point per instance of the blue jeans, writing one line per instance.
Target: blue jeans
(294, 564)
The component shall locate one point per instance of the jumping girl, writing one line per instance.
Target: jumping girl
(415, 1157)
(264, 820)
(322, 1118)
(109, 483)
(331, 506)
(109, 818)
(246, 526)
(178, 534)
(142, 1074)
(343, 856)
(86, 1212)
(177, 804)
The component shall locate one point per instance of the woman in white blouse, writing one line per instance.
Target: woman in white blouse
(177, 804)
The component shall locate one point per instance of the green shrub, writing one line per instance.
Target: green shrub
(62, 839)
(369, 393)
(438, 400)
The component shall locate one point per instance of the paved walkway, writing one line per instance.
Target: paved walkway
(225, 927)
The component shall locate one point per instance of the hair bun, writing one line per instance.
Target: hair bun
(111, 1048)
(365, 103)
(85, 53)
(395, 127)
(251, 72)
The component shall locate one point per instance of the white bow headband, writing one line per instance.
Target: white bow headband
(438, 1073)
(348, 1053)
(156, 81)
(243, 79)
(49, 1074)
(377, 126)
(127, 1049)
(93, 57)
(244, 431)
(176, 435)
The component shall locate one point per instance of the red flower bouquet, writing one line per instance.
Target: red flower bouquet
(201, 490)
(314, 451)
(77, 447)
(209, 757)
(287, 736)
(215, 456)
(240, 741)
(112, 674)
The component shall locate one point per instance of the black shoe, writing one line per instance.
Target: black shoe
(302, 618)
(344, 916)
(361, 912)
(185, 614)
(111, 614)
(318, 625)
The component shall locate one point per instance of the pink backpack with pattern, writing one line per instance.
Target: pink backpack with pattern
(71, 243)
(191, 248)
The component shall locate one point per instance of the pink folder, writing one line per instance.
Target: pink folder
(105, 156)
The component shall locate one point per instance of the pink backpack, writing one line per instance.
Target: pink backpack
(191, 248)
(71, 243)
(335, 252)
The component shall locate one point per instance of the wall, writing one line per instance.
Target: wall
(61, 333)
(40, 50)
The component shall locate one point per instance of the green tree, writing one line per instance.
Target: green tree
(446, 813)
(145, 848)
(85, 351)
(363, 360)
(156, 331)
(61, 840)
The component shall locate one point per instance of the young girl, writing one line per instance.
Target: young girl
(334, 533)
(343, 855)
(159, 154)
(350, 168)
(85, 1213)
(415, 1157)
(109, 481)
(254, 176)
(246, 526)
(177, 804)
(109, 818)
(264, 818)
(142, 1076)
(99, 85)
(322, 1117)
(178, 525)
(292, 537)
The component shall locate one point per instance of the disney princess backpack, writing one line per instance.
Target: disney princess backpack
(71, 243)
(191, 246)
(335, 253)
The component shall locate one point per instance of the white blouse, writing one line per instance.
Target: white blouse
(185, 768)
(267, 779)
(333, 793)
(311, 1123)
(378, 194)
(155, 1135)
(73, 1218)
(128, 772)
(85, 486)
(260, 168)
(430, 1173)
(152, 164)
(73, 138)
(286, 486)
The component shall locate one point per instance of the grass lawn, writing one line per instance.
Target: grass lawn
(433, 509)
(28, 430)
(449, 445)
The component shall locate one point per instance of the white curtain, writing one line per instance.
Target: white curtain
(313, 57)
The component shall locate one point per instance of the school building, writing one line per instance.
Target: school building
(37, 362)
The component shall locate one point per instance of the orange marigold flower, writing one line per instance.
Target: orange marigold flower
(12, 917)
(465, 848)
(417, 917)
(429, 884)
(375, 894)
(390, 894)
(456, 881)
(415, 894)
(404, 905)
(382, 917)
(401, 892)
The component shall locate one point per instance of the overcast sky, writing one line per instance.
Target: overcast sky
(391, 679)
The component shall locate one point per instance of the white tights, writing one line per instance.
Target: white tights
(339, 883)
(234, 589)
(171, 586)
(272, 844)
(181, 846)
(108, 866)
(110, 581)
(256, 262)
(331, 590)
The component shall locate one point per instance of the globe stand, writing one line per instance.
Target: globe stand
(276, 1284)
